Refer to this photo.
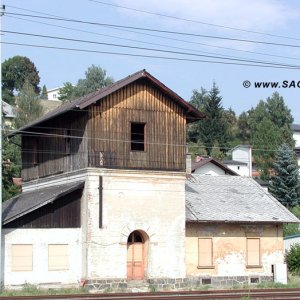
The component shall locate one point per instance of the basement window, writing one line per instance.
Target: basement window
(138, 136)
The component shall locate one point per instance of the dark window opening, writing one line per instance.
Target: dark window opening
(206, 280)
(254, 280)
(135, 237)
(138, 136)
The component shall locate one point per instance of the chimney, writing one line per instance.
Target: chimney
(188, 163)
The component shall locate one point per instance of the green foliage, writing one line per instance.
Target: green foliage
(284, 184)
(66, 93)
(243, 133)
(95, 79)
(292, 228)
(11, 167)
(15, 71)
(44, 94)
(214, 128)
(292, 258)
(269, 124)
(216, 153)
(29, 107)
(29, 289)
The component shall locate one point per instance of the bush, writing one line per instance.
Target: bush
(293, 259)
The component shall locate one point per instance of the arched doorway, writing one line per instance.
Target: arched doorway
(136, 256)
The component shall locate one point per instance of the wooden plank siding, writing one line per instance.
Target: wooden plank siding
(110, 125)
(50, 144)
(101, 135)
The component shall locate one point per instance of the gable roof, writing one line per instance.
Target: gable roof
(192, 113)
(232, 199)
(29, 201)
(197, 165)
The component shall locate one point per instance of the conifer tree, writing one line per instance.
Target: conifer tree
(284, 185)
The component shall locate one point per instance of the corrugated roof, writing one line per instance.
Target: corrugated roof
(192, 113)
(232, 199)
(29, 201)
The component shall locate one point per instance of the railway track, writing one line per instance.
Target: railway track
(293, 293)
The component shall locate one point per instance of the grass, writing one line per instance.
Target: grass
(32, 290)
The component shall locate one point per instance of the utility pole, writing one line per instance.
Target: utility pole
(2, 8)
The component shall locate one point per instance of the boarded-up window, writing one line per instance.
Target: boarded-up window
(58, 257)
(253, 251)
(21, 258)
(205, 252)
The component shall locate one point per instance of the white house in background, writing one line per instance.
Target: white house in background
(53, 94)
(296, 137)
(291, 240)
(210, 166)
(9, 113)
(241, 162)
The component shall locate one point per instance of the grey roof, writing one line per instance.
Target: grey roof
(32, 200)
(295, 127)
(232, 199)
(234, 162)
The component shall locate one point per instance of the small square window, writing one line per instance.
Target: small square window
(138, 136)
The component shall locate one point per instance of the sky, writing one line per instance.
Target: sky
(267, 21)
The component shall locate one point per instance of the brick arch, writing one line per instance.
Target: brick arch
(130, 227)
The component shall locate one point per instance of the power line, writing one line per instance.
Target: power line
(153, 35)
(151, 56)
(157, 30)
(150, 43)
(149, 49)
(194, 21)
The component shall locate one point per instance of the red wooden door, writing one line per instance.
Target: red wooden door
(135, 256)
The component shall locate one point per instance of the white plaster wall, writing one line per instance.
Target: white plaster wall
(150, 201)
(40, 239)
(296, 137)
(209, 169)
(242, 170)
(53, 94)
(241, 154)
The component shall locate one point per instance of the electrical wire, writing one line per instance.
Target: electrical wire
(194, 21)
(149, 56)
(149, 49)
(158, 36)
(157, 30)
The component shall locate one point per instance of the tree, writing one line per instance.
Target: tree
(66, 93)
(28, 105)
(265, 143)
(213, 129)
(15, 71)
(11, 158)
(269, 124)
(44, 94)
(284, 184)
(95, 78)
(243, 128)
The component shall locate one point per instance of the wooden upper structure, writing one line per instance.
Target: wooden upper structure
(136, 122)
